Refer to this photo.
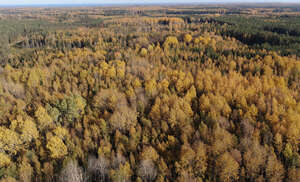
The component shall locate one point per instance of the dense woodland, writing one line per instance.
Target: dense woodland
(150, 93)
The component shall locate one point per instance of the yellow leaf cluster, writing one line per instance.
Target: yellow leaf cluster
(4, 160)
(56, 147)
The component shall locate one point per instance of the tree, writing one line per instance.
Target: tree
(72, 108)
(151, 87)
(44, 120)
(200, 160)
(29, 131)
(222, 140)
(274, 169)
(123, 118)
(293, 174)
(187, 38)
(109, 99)
(56, 147)
(9, 140)
(61, 132)
(254, 160)
(227, 168)
(278, 142)
(171, 41)
(147, 170)
(34, 78)
(98, 168)
(48, 171)
(53, 112)
(8, 179)
(143, 52)
(149, 153)
(288, 151)
(25, 171)
(4, 160)
(71, 173)
(121, 174)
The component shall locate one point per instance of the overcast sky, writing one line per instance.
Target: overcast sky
(29, 2)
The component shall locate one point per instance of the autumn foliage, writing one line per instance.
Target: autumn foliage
(147, 99)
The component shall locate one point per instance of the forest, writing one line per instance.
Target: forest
(156, 93)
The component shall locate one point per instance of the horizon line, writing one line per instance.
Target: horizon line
(144, 3)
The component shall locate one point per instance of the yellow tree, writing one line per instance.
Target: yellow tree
(56, 147)
(44, 120)
(254, 160)
(29, 131)
(293, 175)
(149, 153)
(171, 41)
(187, 38)
(151, 87)
(227, 168)
(200, 160)
(4, 160)
(274, 170)
(9, 140)
(25, 171)
(122, 174)
(143, 52)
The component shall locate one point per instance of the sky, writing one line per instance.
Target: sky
(32, 2)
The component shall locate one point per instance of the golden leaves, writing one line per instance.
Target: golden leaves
(187, 38)
(171, 41)
(56, 147)
(227, 168)
(150, 87)
(44, 120)
(9, 140)
(149, 153)
(4, 160)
